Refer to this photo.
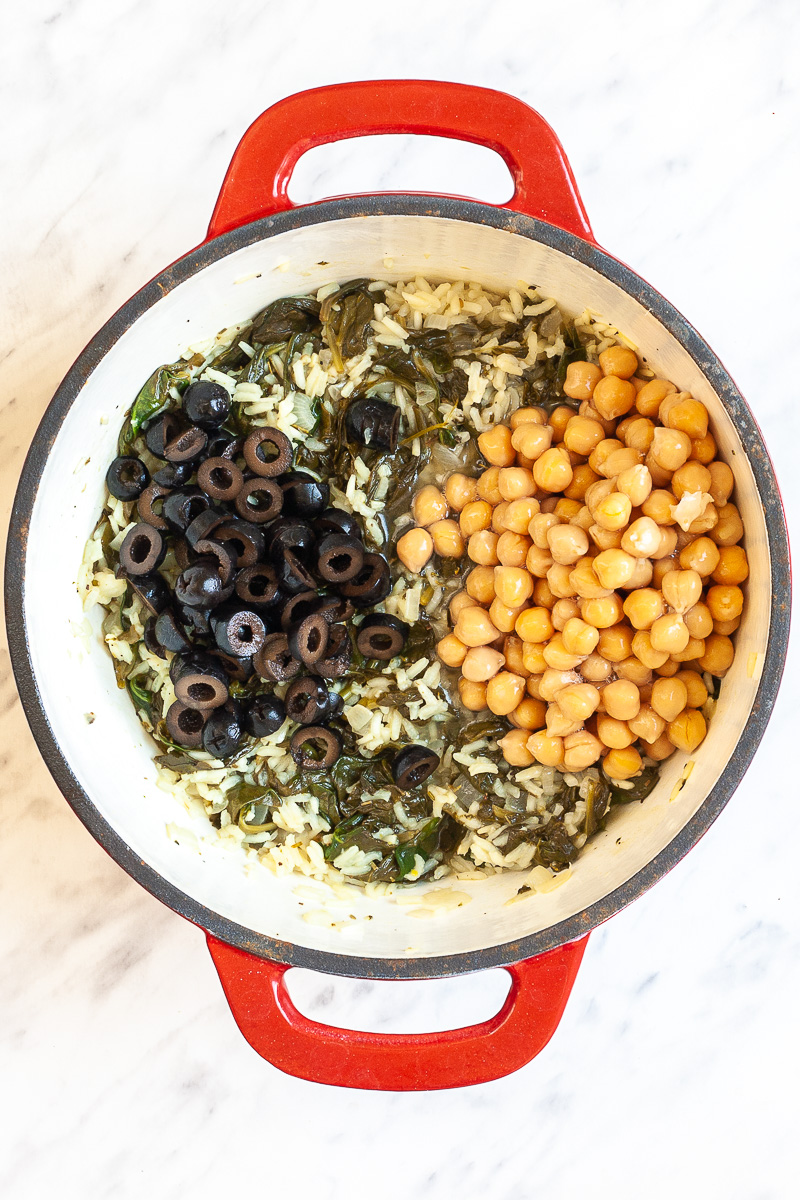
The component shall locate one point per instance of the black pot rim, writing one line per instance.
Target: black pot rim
(347, 964)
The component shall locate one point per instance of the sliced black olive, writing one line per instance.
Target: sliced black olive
(197, 620)
(308, 638)
(257, 584)
(381, 636)
(204, 525)
(162, 430)
(224, 445)
(374, 423)
(246, 540)
(206, 404)
(173, 475)
(169, 634)
(142, 550)
(238, 669)
(127, 478)
(296, 608)
(289, 533)
(335, 520)
(224, 554)
(264, 715)
(412, 765)
(182, 508)
(275, 661)
(334, 706)
(185, 725)
(223, 731)
(315, 748)
(202, 689)
(186, 446)
(194, 660)
(371, 585)
(200, 586)
(338, 655)
(306, 700)
(151, 495)
(150, 640)
(303, 495)
(239, 631)
(267, 452)
(259, 500)
(220, 479)
(336, 608)
(339, 558)
(292, 575)
(152, 590)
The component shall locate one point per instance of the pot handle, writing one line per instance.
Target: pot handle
(256, 991)
(258, 177)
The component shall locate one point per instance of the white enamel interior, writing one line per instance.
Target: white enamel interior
(112, 757)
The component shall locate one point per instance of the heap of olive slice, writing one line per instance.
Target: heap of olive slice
(270, 575)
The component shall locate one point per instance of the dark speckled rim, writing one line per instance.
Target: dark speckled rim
(57, 759)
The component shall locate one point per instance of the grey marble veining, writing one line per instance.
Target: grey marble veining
(674, 1070)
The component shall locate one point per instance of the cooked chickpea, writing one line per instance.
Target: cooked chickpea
(512, 585)
(658, 507)
(569, 510)
(541, 525)
(647, 724)
(553, 470)
(504, 692)
(687, 731)
(479, 584)
(620, 461)
(642, 538)
(634, 670)
(582, 478)
(725, 602)
(532, 440)
(414, 549)
(503, 616)
(700, 555)
(481, 664)
(556, 655)
(699, 621)
(602, 612)
(428, 505)
(649, 398)
(558, 724)
(613, 733)
(534, 625)
(646, 652)
(447, 539)
(733, 567)
(495, 446)
(460, 490)
(696, 690)
(538, 562)
(578, 701)
(688, 415)
(584, 579)
(621, 699)
(498, 525)
(578, 637)
(613, 512)
(636, 483)
(567, 543)
(472, 695)
(554, 681)
(512, 549)
(642, 575)
(558, 420)
(694, 648)
(613, 397)
(451, 650)
(718, 654)
(523, 416)
(482, 548)
(605, 539)
(668, 540)
(581, 380)
(581, 749)
(533, 658)
(460, 601)
(487, 486)
(682, 590)
(564, 610)
(474, 627)
(476, 515)
(614, 567)
(623, 763)
(514, 748)
(669, 697)
(691, 477)
(582, 434)
(720, 483)
(704, 450)
(519, 514)
(512, 648)
(670, 448)
(707, 521)
(727, 627)
(600, 454)
(643, 607)
(595, 668)
(729, 528)
(619, 361)
(669, 633)
(515, 483)
(615, 643)
(530, 714)
(638, 434)
(660, 749)
(549, 751)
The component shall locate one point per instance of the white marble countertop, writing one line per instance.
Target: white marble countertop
(674, 1070)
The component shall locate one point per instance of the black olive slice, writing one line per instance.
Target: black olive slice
(235, 668)
(381, 635)
(298, 607)
(206, 404)
(186, 446)
(173, 475)
(257, 584)
(224, 445)
(223, 731)
(200, 689)
(200, 586)
(169, 634)
(127, 478)
(292, 575)
(335, 706)
(142, 550)
(374, 423)
(152, 590)
(303, 495)
(339, 558)
(412, 765)
(308, 638)
(335, 520)
(185, 725)
(239, 632)
(336, 608)
(156, 492)
(224, 554)
(220, 479)
(204, 525)
(197, 620)
(275, 661)
(247, 541)
(264, 715)
(162, 430)
(195, 661)
(315, 747)
(259, 500)
(267, 452)
(289, 533)
(150, 640)
(371, 585)
(306, 699)
(338, 655)
(183, 507)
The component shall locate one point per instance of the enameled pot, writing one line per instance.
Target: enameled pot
(260, 247)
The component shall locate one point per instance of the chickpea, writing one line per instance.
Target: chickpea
(595, 668)
(487, 486)
(669, 697)
(495, 446)
(636, 483)
(515, 483)
(615, 643)
(585, 582)
(475, 516)
(581, 379)
(569, 510)
(481, 663)
(658, 507)
(512, 549)
(460, 490)
(542, 596)
(667, 543)
(613, 733)
(619, 361)
(582, 434)
(414, 549)
(701, 555)
(482, 548)
(718, 654)
(498, 525)
(721, 483)
(682, 590)
(553, 470)
(559, 419)
(704, 450)
(512, 648)
(725, 602)
(693, 649)
(686, 414)
(474, 627)
(567, 543)
(642, 538)
(549, 751)
(699, 621)
(670, 448)
(428, 505)
(554, 681)
(614, 512)
(533, 657)
(582, 478)
(514, 748)
(532, 440)
(621, 699)
(643, 607)
(620, 461)
(662, 567)
(530, 714)
(578, 701)
(451, 651)
(556, 655)
(614, 567)
(472, 695)
(634, 670)
(519, 514)
(650, 396)
(642, 575)
(541, 525)
(534, 625)
(733, 567)
(687, 731)
(638, 433)
(623, 763)
(669, 633)
(647, 724)
(479, 584)
(606, 539)
(729, 528)
(538, 562)
(691, 477)
(447, 539)
(558, 724)
(727, 627)
(646, 652)
(504, 616)
(660, 749)
(512, 585)
(460, 601)
(613, 397)
(601, 452)
(696, 690)
(602, 612)
(581, 749)
(578, 637)
(504, 692)
(564, 610)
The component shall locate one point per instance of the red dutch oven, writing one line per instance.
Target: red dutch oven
(259, 247)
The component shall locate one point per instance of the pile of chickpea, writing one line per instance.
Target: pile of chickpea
(607, 573)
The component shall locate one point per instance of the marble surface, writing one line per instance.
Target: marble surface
(674, 1070)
